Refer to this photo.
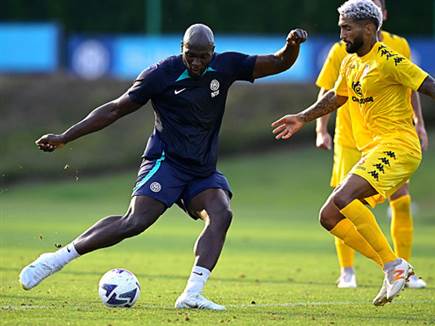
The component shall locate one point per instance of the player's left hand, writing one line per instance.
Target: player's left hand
(297, 36)
(422, 135)
(287, 126)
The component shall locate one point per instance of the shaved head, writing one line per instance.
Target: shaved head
(199, 35)
(197, 49)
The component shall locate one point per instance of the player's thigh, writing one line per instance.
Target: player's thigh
(211, 194)
(210, 200)
(353, 187)
(145, 208)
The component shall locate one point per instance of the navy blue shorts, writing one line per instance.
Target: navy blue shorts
(162, 181)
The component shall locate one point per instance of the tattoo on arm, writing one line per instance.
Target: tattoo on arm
(327, 104)
(428, 87)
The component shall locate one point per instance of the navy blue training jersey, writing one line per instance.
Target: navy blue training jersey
(188, 111)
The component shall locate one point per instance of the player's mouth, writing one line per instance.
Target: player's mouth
(196, 71)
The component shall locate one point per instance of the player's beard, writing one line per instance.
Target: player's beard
(353, 47)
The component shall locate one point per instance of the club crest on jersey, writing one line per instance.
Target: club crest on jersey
(214, 87)
(356, 86)
(155, 187)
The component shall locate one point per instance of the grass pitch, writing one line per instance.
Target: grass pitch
(278, 266)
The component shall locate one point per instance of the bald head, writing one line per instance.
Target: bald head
(197, 49)
(199, 35)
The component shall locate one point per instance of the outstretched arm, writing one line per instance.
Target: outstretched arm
(98, 119)
(283, 59)
(428, 87)
(288, 125)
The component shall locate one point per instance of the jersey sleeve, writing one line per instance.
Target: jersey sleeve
(146, 85)
(331, 67)
(406, 50)
(240, 66)
(340, 87)
(403, 71)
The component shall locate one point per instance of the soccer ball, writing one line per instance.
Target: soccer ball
(119, 288)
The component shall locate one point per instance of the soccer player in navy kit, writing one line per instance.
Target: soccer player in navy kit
(188, 94)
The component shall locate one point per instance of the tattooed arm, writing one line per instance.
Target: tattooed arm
(288, 125)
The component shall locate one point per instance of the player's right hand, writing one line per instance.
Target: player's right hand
(50, 142)
(324, 140)
(287, 126)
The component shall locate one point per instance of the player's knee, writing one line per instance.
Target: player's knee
(327, 216)
(134, 224)
(324, 218)
(341, 199)
(227, 217)
(222, 218)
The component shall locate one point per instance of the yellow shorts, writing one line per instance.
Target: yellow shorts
(386, 167)
(344, 160)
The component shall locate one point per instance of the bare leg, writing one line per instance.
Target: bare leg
(213, 207)
(141, 214)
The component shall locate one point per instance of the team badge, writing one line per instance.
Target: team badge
(155, 187)
(356, 86)
(214, 87)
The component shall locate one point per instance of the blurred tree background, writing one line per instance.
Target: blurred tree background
(225, 16)
(34, 104)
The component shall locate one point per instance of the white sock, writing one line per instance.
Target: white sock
(347, 270)
(65, 254)
(197, 280)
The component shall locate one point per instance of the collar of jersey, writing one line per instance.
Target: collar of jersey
(185, 74)
(371, 52)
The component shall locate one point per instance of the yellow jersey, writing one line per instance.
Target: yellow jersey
(349, 129)
(376, 85)
(343, 135)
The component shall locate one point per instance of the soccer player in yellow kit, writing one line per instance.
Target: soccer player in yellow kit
(375, 80)
(347, 152)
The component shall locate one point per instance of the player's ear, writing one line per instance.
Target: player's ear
(369, 28)
(181, 46)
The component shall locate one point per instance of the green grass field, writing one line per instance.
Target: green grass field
(278, 266)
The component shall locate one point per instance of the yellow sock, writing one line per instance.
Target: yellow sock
(402, 226)
(346, 231)
(345, 253)
(365, 223)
